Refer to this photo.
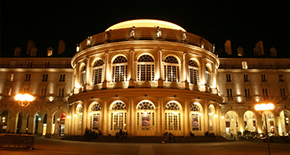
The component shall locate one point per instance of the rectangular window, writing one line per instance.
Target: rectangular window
(27, 77)
(281, 79)
(46, 64)
(263, 78)
(61, 77)
(229, 77)
(61, 92)
(10, 77)
(246, 78)
(12, 64)
(244, 65)
(29, 64)
(44, 77)
(8, 91)
(282, 92)
(229, 92)
(265, 92)
(43, 92)
(247, 92)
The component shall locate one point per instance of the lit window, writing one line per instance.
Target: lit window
(145, 68)
(193, 72)
(171, 69)
(97, 71)
(207, 76)
(119, 69)
(244, 65)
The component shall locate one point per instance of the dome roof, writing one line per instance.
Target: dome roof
(146, 23)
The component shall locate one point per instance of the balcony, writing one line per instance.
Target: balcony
(222, 66)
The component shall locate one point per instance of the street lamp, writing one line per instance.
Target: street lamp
(23, 100)
(263, 109)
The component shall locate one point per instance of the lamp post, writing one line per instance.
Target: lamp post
(24, 101)
(263, 109)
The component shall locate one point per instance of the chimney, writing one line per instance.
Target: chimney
(30, 45)
(61, 47)
(228, 47)
(49, 51)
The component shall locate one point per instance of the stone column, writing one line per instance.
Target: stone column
(160, 70)
(85, 116)
(88, 73)
(12, 124)
(31, 126)
(259, 123)
(202, 74)
(185, 116)
(206, 117)
(278, 127)
(132, 111)
(49, 129)
(105, 118)
(241, 124)
(106, 71)
(185, 66)
(131, 69)
(218, 120)
(161, 120)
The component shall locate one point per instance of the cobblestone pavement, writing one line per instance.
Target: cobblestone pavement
(44, 146)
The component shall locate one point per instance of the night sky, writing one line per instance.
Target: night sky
(244, 23)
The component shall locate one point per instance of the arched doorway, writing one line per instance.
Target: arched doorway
(250, 121)
(95, 116)
(145, 118)
(231, 120)
(40, 123)
(173, 118)
(4, 124)
(22, 121)
(195, 118)
(270, 123)
(285, 118)
(118, 117)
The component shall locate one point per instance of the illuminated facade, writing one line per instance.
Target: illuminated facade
(146, 77)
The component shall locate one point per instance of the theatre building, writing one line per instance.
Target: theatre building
(146, 77)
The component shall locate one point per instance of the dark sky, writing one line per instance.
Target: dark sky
(244, 23)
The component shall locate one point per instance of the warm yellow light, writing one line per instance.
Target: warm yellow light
(146, 23)
(75, 115)
(263, 107)
(25, 97)
(215, 115)
(223, 117)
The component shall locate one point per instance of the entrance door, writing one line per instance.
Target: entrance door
(145, 123)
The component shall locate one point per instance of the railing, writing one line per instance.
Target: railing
(35, 66)
(255, 66)
(142, 33)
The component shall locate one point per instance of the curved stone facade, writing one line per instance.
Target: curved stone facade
(137, 65)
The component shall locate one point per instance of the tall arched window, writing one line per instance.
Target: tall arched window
(195, 117)
(83, 75)
(193, 72)
(211, 114)
(145, 68)
(79, 110)
(171, 69)
(97, 71)
(119, 69)
(95, 114)
(118, 116)
(172, 116)
(207, 76)
(145, 117)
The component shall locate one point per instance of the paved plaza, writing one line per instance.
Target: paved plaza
(44, 146)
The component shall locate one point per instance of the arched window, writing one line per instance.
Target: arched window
(250, 121)
(96, 107)
(119, 106)
(207, 76)
(211, 114)
(79, 111)
(195, 117)
(145, 105)
(97, 71)
(118, 116)
(193, 72)
(145, 68)
(83, 75)
(95, 116)
(172, 117)
(171, 69)
(119, 69)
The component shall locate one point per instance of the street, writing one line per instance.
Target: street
(45, 146)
